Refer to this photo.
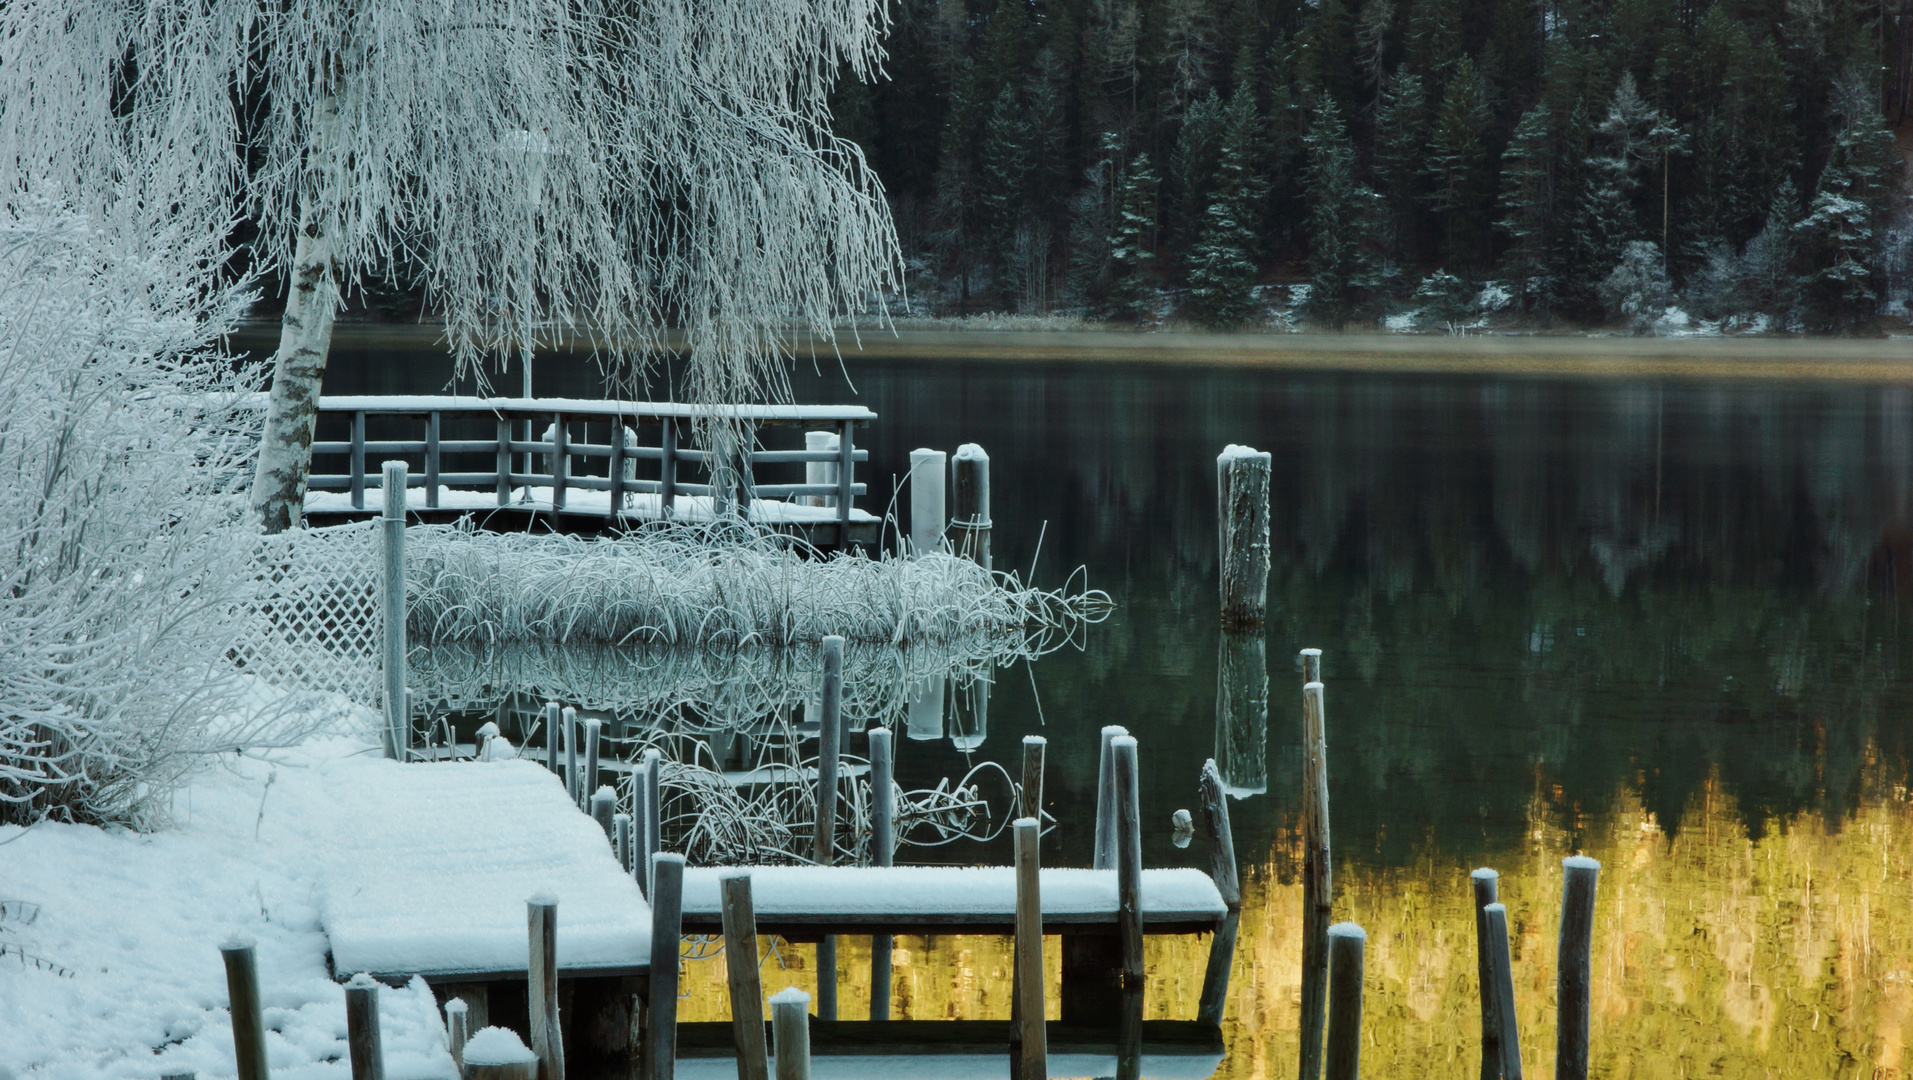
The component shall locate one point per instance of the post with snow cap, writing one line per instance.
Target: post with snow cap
(457, 1031)
(1346, 943)
(1575, 963)
(574, 780)
(1317, 882)
(1103, 855)
(667, 934)
(552, 747)
(1496, 917)
(1222, 869)
(1242, 483)
(604, 809)
(392, 607)
(594, 731)
(927, 512)
(362, 1028)
(1486, 884)
(1033, 1054)
(1128, 859)
(820, 473)
(495, 1053)
(651, 803)
(541, 974)
(248, 1019)
(621, 835)
(739, 916)
(970, 492)
(883, 846)
(790, 1033)
(1030, 795)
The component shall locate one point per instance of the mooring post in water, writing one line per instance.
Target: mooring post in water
(739, 916)
(496, 1053)
(457, 1031)
(927, 512)
(362, 1028)
(1033, 1056)
(621, 836)
(593, 732)
(883, 846)
(1242, 713)
(1222, 868)
(1575, 963)
(1103, 856)
(1346, 943)
(820, 473)
(970, 488)
(604, 808)
(574, 780)
(830, 734)
(790, 1033)
(541, 986)
(1311, 665)
(1317, 885)
(1486, 884)
(248, 1019)
(392, 606)
(651, 801)
(667, 935)
(1128, 858)
(1496, 916)
(1242, 484)
(552, 747)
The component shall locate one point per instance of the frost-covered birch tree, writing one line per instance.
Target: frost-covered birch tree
(618, 167)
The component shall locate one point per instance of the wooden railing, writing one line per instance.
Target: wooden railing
(566, 453)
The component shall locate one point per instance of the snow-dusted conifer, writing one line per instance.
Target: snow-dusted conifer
(1341, 211)
(1637, 289)
(1222, 269)
(1132, 255)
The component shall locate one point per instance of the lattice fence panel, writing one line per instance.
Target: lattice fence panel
(316, 611)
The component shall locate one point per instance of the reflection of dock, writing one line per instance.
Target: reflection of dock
(960, 1050)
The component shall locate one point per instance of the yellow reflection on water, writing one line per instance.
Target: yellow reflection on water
(1715, 954)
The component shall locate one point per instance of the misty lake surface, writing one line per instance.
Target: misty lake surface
(1655, 623)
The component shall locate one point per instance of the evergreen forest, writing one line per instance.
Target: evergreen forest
(1338, 162)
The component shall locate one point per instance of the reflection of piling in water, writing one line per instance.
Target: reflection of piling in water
(883, 845)
(1575, 964)
(1222, 868)
(1242, 714)
(1317, 888)
(1487, 885)
(1495, 923)
(970, 718)
(1346, 944)
(739, 917)
(829, 741)
(1242, 483)
(927, 514)
(923, 708)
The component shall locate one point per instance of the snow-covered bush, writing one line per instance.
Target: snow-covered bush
(1446, 300)
(121, 561)
(1637, 289)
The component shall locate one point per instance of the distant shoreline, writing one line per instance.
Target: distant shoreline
(1552, 355)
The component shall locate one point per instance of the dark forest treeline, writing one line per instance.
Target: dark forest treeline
(1132, 158)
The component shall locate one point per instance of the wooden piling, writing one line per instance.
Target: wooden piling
(457, 1031)
(667, 935)
(1575, 965)
(604, 808)
(829, 744)
(1503, 975)
(594, 730)
(1242, 712)
(552, 740)
(621, 838)
(392, 607)
(1242, 484)
(927, 514)
(1103, 856)
(574, 780)
(970, 492)
(1033, 1059)
(651, 768)
(1311, 666)
(1030, 801)
(790, 1033)
(1486, 884)
(547, 1039)
(740, 965)
(1222, 869)
(1128, 858)
(883, 846)
(495, 1053)
(248, 1019)
(1346, 943)
(1128, 1034)
(362, 1028)
(1317, 891)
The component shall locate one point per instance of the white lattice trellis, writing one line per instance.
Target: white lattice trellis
(316, 611)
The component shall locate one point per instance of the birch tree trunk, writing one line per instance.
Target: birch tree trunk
(305, 338)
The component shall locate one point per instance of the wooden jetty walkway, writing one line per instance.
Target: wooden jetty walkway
(581, 459)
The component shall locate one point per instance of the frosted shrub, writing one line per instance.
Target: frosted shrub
(1446, 299)
(1636, 289)
(117, 455)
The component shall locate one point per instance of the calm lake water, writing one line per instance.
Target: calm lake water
(1656, 624)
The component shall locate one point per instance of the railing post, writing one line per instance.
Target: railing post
(846, 468)
(431, 459)
(617, 465)
(397, 723)
(560, 461)
(358, 460)
(668, 472)
(504, 461)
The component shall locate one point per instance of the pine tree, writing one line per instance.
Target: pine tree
(1194, 166)
(1003, 168)
(1132, 255)
(1457, 164)
(1401, 135)
(1340, 213)
(1527, 205)
(1222, 270)
(1840, 237)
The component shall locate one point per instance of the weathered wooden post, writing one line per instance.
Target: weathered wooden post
(574, 780)
(248, 1019)
(651, 770)
(1486, 884)
(970, 488)
(830, 735)
(593, 732)
(392, 607)
(552, 747)
(604, 808)
(495, 1053)
(1311, 665)
(1317, 884)
(1346, 943)
(927, 513)
(457, 1031)
(362, 1028)
(1222, 868)
(1242, 714)
(1033, 1058)
(1575, 963)
(883, 846)
(1128, 858)
(1498, 958)
(1030, 797)
(547, 1039)
(740, 966)
(1242, 482)
(667, 935)
(621, 837)
(790, 1033)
